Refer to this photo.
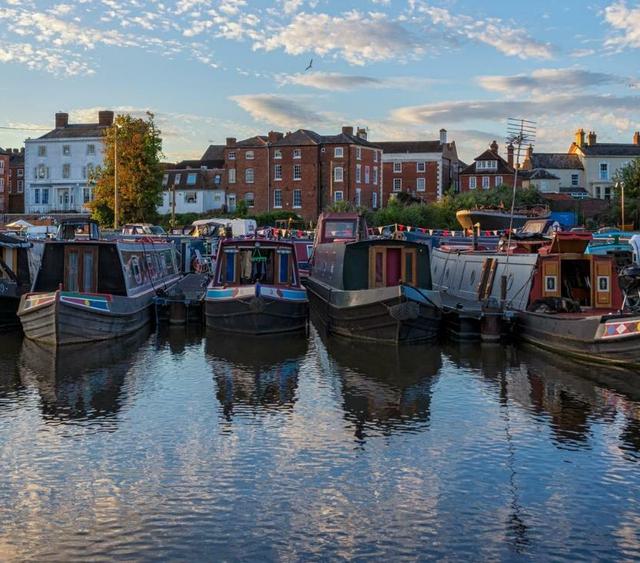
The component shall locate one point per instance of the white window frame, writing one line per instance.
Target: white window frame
(375, 175)
(231, 155)
(177, 178)
(472, 183)
(367, 174)
(604, 178)
(358, 173)
(338, 196)
(297, 153)
(42, 150)
(91, 149)
(374, 200)
(277, 194)
(277, 172)
(397, 184)
(421, 166)
(338, 174)
(249, 172)
(295, 205)
(66, 150)
(20, 172)
(338, 152)
(249, 155)
(486, 182)
(66, 170)
(297, 172)
(277, 154)
(575, 180)
(397, 167)
(358, 200)
(421, 184)
(250, 202)
(358, 153)
(165, 179)
(232, 175)
(498, 181)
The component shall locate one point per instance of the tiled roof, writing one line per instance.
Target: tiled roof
(556, 161)
(299, 137)
(541, 174)
(611, 149)
(411, 146)
(503, 165)
(257, 141)
(76, 131)
(345, 139)
(214, 153)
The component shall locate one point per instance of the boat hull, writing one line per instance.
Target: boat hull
(392, 315)
(9, 313)
(605, 339)
(493, 220)
(241, 311)
(63, 318)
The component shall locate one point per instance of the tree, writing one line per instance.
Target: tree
(139, 149)
(629, 177)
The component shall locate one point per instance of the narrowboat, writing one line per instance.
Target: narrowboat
(304, 250)
(14, 278)
(374, 290)
(340, 227)
(256, 289)
(560, 298)
(88, 289)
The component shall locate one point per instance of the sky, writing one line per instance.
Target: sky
(211, 69)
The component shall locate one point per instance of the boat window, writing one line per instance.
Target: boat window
(409, 266)
(550, 283)
(230, 270)
(472, 277)
(339, 230)
(284, 268)
(379, 269)
(71, 279)
(135, 270)
(510, 281)
(603, 283)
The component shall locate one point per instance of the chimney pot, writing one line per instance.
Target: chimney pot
(231, 141)
(274, 136)
(494, 147)
(591, 139)
(636, 138)
(443, 136)
(510, 154)
(105, 118)
(347, 130)
(362, 133)
(580, 137)
(62, 120)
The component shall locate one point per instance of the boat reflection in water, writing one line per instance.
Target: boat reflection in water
(255, 373)
(384, 388)
(80, 382)
(10, 385)
(555, 390)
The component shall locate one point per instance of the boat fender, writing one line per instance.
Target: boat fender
(405, 311)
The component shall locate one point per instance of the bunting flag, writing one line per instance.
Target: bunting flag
(380, 229)
(408, 229)
(431, 232)
(401, 227)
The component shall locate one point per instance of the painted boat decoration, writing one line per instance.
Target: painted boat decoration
(375, 290)
(256, 289)
(88, 290)
(14, 278)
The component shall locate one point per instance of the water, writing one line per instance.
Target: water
(200, 447)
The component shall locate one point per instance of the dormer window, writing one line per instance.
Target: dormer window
(487, 164)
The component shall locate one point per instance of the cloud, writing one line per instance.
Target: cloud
(356, 37)
(490, 110)
(549, 79)
(626, 21)
(509, 40)
(329, 80)
(279, 111)
(53, 60)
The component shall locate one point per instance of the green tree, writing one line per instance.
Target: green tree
(629, 177)
(139, 149)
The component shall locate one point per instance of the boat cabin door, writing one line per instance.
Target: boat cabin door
(81, 269)
(602, 277)
(551, 285)
(392, 265)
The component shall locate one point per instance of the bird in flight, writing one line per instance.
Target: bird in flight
(309, 65)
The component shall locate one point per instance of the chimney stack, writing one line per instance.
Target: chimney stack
(62, 120)
(231, 142)
(591, 138)
(580, 137)
(105, 118)
(361, 133)
(347, 130)
(443, 136)
(494, 147)
(636, 138)
(510, 154)
(274, 136)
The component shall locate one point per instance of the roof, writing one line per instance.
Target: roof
(204, 180)
(346, 139)
(503, 165)
(214, 153)
(76, 131)
(541, 174)
(299, 137)
(411, 146)
(611, 149)
(257, 141)
(556, 161)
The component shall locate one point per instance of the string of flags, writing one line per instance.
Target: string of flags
(396, 227)
(285, 233)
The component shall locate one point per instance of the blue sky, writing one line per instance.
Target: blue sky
(403, 68)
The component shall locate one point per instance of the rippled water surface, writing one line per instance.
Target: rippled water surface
(190, 446)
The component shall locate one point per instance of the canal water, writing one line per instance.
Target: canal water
(191, 446)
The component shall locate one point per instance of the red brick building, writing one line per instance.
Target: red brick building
(4, 181)
(302, 171)
(15, 195)
(423, 169)
(489, 170)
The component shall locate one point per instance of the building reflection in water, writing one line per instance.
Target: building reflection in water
(79, 382)
(260, 373)
(384, 388)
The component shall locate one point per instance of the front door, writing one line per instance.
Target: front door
(231, 202)
(65, 199)
(81, 269)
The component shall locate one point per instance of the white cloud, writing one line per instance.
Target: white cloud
(509, 40)
(549, 79)
(626, 21)
(279, 111)
(330, 81)
(356, 37)
(53, 60)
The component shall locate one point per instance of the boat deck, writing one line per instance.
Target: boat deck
(183, 301)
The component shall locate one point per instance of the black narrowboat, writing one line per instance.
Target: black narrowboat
(14, 278)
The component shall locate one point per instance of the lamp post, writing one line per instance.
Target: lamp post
(115, 176)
